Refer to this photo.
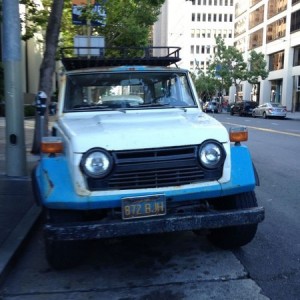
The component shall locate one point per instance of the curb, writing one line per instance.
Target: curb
(15, 240)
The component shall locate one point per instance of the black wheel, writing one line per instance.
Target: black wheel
(64, 254)
(235, 236)
(231, 112)
(253, 115)
(264, 115)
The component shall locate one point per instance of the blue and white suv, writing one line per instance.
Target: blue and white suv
(132, 153)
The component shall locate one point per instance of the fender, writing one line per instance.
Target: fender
(244, 177)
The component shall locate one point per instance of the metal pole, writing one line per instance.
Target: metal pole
(14, 104)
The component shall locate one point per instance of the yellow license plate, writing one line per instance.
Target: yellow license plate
(144, 206)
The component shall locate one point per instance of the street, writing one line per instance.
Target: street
(183, 265)
(273, 258)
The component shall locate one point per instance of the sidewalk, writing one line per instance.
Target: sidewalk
(18, 212)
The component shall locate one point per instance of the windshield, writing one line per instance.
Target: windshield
(127, 91)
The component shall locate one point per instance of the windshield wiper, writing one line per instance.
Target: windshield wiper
(88, 107)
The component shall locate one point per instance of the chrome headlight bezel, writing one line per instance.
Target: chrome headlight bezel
(96, 163)
(211, 154)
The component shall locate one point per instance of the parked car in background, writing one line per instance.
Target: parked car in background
(211, 106)
(269, 109)
(243, 108)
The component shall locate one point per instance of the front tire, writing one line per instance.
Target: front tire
(235, 236)
(62, 254)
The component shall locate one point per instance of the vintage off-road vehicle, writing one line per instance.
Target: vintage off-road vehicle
(132, 153)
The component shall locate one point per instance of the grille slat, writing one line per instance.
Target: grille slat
(154, 168)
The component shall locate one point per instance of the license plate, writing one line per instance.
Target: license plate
(144, 206)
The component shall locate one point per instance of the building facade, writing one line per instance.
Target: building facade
(193, 26)
(273, 28)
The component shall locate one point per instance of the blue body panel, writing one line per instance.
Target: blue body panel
(56, 189)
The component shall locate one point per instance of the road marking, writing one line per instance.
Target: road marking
(265, 129)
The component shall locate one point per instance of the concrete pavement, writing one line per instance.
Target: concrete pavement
(18, 211)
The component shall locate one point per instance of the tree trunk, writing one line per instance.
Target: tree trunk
(47, 67)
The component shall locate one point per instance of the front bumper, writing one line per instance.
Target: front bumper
(168, 223)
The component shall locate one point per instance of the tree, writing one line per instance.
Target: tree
(257, 68)
(229, 65)
(206, 86)
(47, 67)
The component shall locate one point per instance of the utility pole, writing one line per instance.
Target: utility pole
(14, 106)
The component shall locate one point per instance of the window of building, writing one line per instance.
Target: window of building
(221, 2)
(275, 7)
(253, 2)
(296, 59)
(230, 34)
(192, 33)
(209, 17)
(226, 2)
(208, 49)
(199, 2)
(276, 61)
(193, 17)
(295, 21)
(204, 17)
(230, 18)
(202, 49)
(204, 2)
(240, 7)
(216, 2)
(198, 33)
(197, 49)
(240, 26)
(215, 17)
(225, 18)
(209, 2)
(198, 17)
(256, 39)
(276, 30)
(256, 17)
(203, 33)
(220, 17)
(192, 49)
(295, 2)
(208, 33)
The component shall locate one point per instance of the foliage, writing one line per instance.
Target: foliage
(206, 86)
(257, 67)
(128, 22)
(229, 66)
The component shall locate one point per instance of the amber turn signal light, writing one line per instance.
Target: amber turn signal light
(238, 134)
(51, 144)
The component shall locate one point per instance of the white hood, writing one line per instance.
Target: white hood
(137, 129)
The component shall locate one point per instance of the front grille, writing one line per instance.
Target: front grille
(154, 168)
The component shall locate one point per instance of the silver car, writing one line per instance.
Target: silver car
(269, 109)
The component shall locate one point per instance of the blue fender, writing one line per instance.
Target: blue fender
(243, 175)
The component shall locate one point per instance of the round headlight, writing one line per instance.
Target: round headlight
(211, 155)
(96, 163)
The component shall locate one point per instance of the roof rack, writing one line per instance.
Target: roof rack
(88, 57)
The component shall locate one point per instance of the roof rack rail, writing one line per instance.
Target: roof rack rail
(88, 57)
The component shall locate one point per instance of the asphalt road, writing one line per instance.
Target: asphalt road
(273, 258)
(185, 266)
